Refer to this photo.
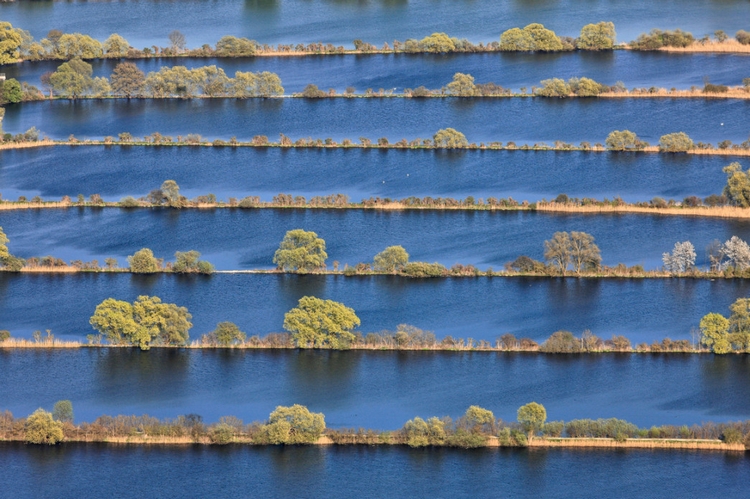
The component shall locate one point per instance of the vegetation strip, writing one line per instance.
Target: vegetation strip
(18, 44)
(296, 425)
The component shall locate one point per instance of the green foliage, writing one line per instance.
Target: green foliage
(621, 140)
(301, 251)
(321, 323)
(737, 190)
(437, 43)
(462, 85)
(127, 80)
(76, 45)
(478, 420)
(600, 36)
(221, 434)
(532, 417)
(561, 342)
(115, 46)
(601, 428)
(675, 142)
(534, 37)
(312, 91)
(144, 262)
(292, 425)
(4, 335)
(10, 42)
(11, 92)
(9, 262)
(143, 322)
(424, 269)
(657, 39)
(72, 79)
(42, 429)
(226, 334)
(392, 259)
(231, 46)
(715, 333)
(554, 87)
(63, 411)
(189, 262)
(586, 87)
(450, 138)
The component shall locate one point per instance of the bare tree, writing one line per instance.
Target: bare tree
(681, 259)
(557, 251)
(584, 254)
(177, 40)
(737, 253)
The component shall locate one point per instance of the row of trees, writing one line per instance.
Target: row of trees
(536, 38)
(73, 79)
(625, 140)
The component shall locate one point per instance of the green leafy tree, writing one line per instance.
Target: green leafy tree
(227, 333)
(127, 80)
(600, 36)
(586, 87)
(554, 87)
(10, 43)
(739, 324)
(189, 261)
(437, 43)
(231, 46)
(211, 81)
(11, 92)
(737, 190)
(72, 79)
(532, 417)
(142, 322)
(462, 85)
(321, 323)
(293, 425)
(301, 251)
(10, 262)
(715, 333)
(534, 37)
(675, 142)
(76, 45)
(268, 85)
(115, 46)
(144, 262)
(42, 429)
(63, 411)
(450, 138)
(417, 432)
(621, 140)
(392, 259)
(479, 420)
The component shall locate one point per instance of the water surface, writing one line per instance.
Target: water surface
(523, 120)
(86, 471)
(341, 21)
(115, 172)
(483, 309)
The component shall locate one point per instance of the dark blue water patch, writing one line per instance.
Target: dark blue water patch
(511, 70)
(247, 239)
(483, 309)
(380, 390)
(340, 22)
(85, 470)
(115, 172)
(523, 120)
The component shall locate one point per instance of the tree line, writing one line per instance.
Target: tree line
(297, 425)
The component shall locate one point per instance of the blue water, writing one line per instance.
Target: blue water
(146, 23)
(523, 120)
(511, 70)
(360, 174)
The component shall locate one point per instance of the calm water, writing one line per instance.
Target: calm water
(86, 471)
(226, 172)
(247, 239)
(434, 71)
(521, 120)
(379, 390)
(643, 310)
(377, 21)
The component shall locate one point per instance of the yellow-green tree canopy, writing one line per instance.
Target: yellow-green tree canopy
(675, 142)
(450, 138)
(321, 323)
(10, 41)
(142, 322)
(462, 85)
(737, 189)
(115, 46)
(143, 261)
(534, 37)
(391, 259)
(600, 36)
(532, 417)
(42, 429)
(292, 425)
(437, 43)
(301, 251)
(231, 46)
(72, 79)
(715, 333)
(72, 45)
(621, 140)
